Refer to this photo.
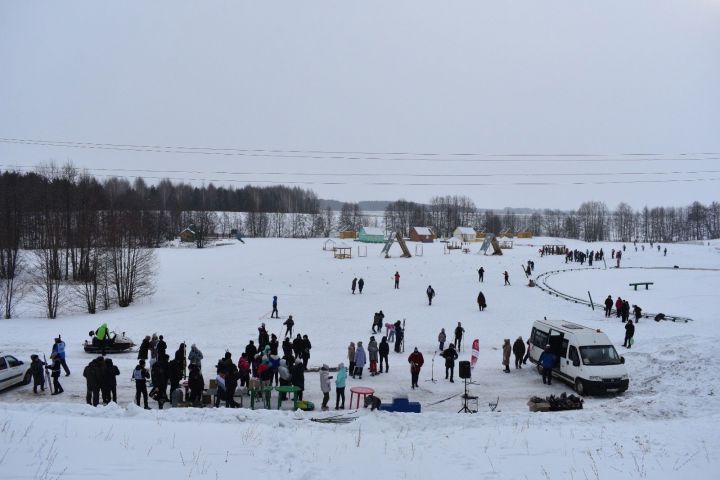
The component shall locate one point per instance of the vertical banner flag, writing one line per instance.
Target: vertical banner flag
(475, 353)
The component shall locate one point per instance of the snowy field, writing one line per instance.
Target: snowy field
(664, 426)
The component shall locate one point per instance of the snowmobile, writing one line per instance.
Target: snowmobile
(109, 342)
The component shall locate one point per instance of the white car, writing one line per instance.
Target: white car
(13, 371)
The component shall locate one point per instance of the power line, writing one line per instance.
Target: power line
(385, 174)
(379, 156)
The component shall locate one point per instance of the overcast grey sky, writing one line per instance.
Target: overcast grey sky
(491, 78)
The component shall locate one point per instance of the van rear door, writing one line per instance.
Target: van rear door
(556, 345)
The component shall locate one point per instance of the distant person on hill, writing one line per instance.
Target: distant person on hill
(441, 339)
(384, 351)
(397, 280)
(481, 274)
(361, 284)
(506, 275)
(430, 292)
(459, 331)
(274, 313)
(353, 285)
(416, 362)
(638, 313)
(360, 360)
(665, 252)
(289, 326)
(507, 350)
(481, 301)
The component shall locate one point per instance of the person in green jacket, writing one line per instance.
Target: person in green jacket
(102, 337)
(340, 379)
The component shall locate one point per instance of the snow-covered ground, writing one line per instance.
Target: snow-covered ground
(664, 426)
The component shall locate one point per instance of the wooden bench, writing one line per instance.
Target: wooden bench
(647, 285)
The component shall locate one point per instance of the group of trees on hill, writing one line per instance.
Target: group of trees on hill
(62, 229)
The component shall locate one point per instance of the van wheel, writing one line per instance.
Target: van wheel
(580, 387)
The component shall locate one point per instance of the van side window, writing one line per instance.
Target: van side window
(564, 348)
(574, 357)
(3, 365)
(540, 339)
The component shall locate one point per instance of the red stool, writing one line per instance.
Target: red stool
(364, 391)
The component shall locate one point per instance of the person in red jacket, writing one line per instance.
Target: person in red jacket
(416, 362)
(618, 306)
(397, 280)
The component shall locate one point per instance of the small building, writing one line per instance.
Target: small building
(466, 234)
(371, 235)
(187, 235)
(342, 251)
(525, 234)
(347, 235)
(422, 234)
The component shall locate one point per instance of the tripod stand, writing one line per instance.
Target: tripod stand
(432, 369)
(468, 398)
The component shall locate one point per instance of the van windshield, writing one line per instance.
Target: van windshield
(599, 355)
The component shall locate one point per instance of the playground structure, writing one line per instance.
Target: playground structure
(506, 244)
(490, 239)
(342, 251)
(419, 250)
(392, 238)
(329, 245)
(362, 251)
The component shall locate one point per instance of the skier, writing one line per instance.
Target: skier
(638, 313)
(481, 301)
(430, 294)
(109, 382)
(507, 349)
(481, 274)
(519, 352)
(384, 351)
(274, 313)
(547, 361)
(441, 339)
(416, 362)
(629, 334)
(195, 356)
(141, 375)
(608, 306)
(397, 280)
(353, 286)
(373, 356)
(351, 357)
(289, 326)
(507, 277)
(360, 360)
(450, 355)
(361, 285)
(340, 380)
(325, 385)
(459, 331)
(59, 348)
(38, 372)
(399, 335)
(55, 373)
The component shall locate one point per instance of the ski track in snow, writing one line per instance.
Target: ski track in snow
(664, 426)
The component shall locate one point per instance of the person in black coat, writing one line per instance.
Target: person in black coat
(144, 348)
(306, 351)
(109, 384)
(361, 285)
(481, 301)
(159, 375)
(161, 346)
(398, 336)
(629, 334)
(93, 379)
(38, 373)
(383, 351)
(250, 350)
(287, 348)
(232, 376)
(196, 384)
(273, 344)
(298, 346)
(174, 374)
(353, 286)
(450, 355)
(298, 377)
(608, 306)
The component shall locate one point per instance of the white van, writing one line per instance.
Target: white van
(586, 357)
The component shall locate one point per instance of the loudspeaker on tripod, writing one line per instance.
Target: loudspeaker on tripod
(464, 371)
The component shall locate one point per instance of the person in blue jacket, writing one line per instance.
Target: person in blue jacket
(547, 362)
(340, 379)
(59, 348)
